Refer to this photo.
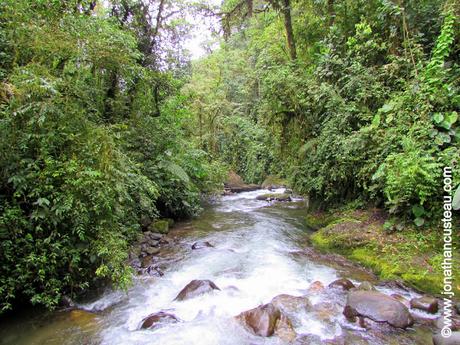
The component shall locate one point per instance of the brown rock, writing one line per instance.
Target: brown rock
(377, 307)
(153, 320)
(343, 284)
(366, 286)
(316, 287)
(284, 329)
(260, 320)
(401, 299)
(425, 303)
(196, 288)
(291, 304)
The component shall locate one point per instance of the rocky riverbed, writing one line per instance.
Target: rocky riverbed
(243, 273)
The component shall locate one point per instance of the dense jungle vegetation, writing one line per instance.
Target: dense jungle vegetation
(106, 121)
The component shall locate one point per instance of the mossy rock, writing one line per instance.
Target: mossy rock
(161, 226)
(274, 182)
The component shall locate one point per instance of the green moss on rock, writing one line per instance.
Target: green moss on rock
(161, 226)
(406, 255)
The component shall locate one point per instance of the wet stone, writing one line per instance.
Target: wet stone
(153, 320)
(260, 320)
(343, 284)
(196, 288)
(425, 303)
(377, 307)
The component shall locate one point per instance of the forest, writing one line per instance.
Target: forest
(108, 123)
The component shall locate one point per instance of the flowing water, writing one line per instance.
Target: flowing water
(259, 252)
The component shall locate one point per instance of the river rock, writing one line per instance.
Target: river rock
(308, 339)
(274, 197)
(83, 319)
(366, 286)
(401, 299)
(455, 323)
(284, 329)
(261, 320)
(146, 261)
(291, 304)
(316, 287)
(160, 226)
(343, 284)
(325, 311)
(196, 288)
(202, 244)
(154, 271)
(151, 250)
(425, 303)
(152, 320)
(377, 307)
(454, 339)
(156, 236)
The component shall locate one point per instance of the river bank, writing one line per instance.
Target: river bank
(410, 255)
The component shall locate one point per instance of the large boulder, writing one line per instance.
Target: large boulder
(377, 307)
(291, 304)
(159, 226)
(196, 288)
(425, 303)
(261, 320)
(343, 284)
(153, 320)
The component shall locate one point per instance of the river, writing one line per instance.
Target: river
(260, 250)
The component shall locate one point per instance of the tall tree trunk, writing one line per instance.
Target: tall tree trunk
(331, 12)
(289, 31)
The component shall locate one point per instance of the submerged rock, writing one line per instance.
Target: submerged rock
(261, 320)
(425, 303)
(366, 286)
(196, 288)
(343, 284)
(154, 319)
(83, 319)
(202, 244)
(274, 197)
(316, 287)
(377, 307)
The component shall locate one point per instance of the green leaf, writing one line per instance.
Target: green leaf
(456, 201)
(178, 171)
(451, 118)
(419, 221)
(376, 120)
(438, 118)
(418, 211)
(387, 107)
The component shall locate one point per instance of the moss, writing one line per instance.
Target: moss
(318, 220)
(161, 226)
(411, 256)
(274, 181)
